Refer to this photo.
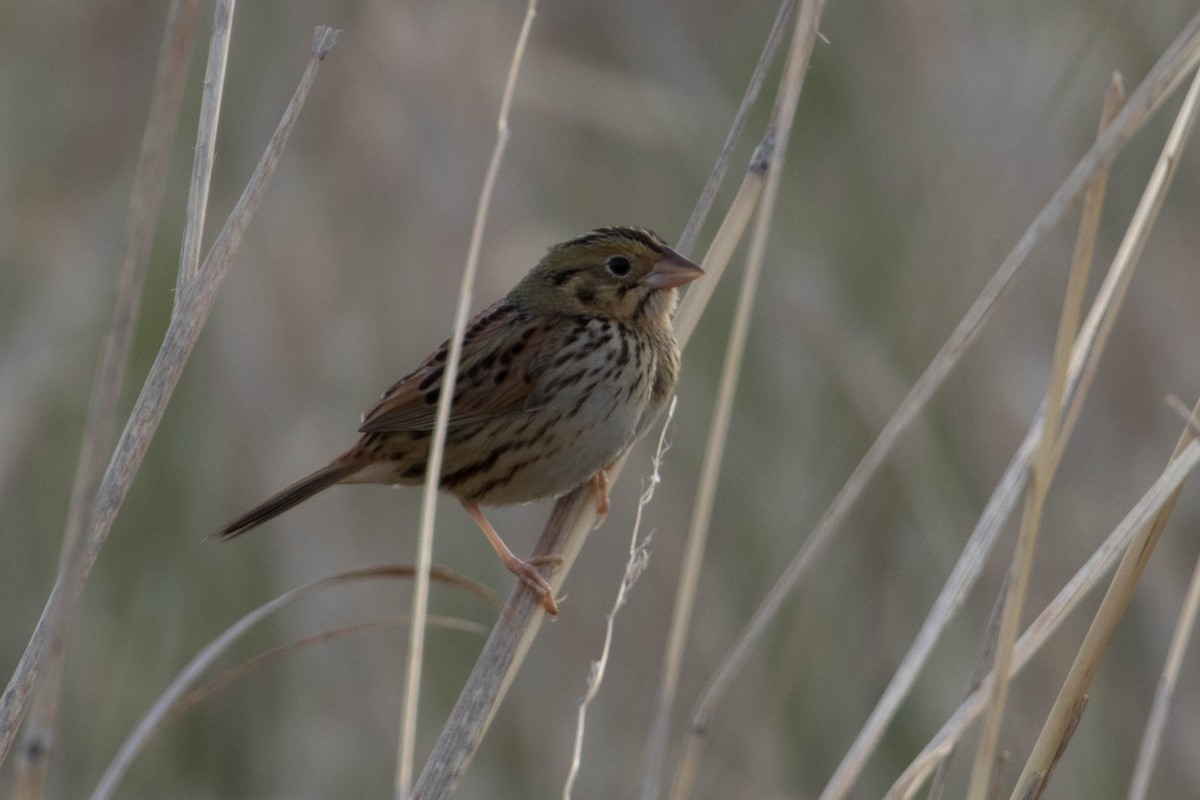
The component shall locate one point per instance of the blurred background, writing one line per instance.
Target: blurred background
(928, 136)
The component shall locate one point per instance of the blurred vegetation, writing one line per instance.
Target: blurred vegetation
(928, 136)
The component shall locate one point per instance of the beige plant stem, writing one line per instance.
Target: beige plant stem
(1042, 475)
(1095, 332)
(145, 202)
(206, 144)
(1050, 741)
(971, 560)
(732, 228)
(1172, 67)
(1163, 695)
(803, 39)
(691, 231)
(193, 308)
(1153, 503)
(172, 699)
(420, 604)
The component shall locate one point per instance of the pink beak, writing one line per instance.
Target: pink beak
(670, 271)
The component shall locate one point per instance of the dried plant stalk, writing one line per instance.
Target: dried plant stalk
(1050, 741)
(192, 310)
(420, 605)
(145, 203)
(1148, 752)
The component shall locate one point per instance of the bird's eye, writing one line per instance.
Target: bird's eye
(618, 266)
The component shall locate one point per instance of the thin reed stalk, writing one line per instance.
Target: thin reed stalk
(145, 203)
(195, 303)
(1165, 693)
(1050, 741)
(420, 604)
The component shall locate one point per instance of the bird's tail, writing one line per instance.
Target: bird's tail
(280, 502)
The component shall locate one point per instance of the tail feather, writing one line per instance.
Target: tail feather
(293, 495)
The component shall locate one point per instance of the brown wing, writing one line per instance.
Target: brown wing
(494, 377)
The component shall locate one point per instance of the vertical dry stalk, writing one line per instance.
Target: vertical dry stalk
(192, 309)
(971, 561)
(691, 231)
(1129, 573)
(206, 144)
(416, 641)
(728, 236)
(1042, 475)
(732, 227)
(145, 202)
(803, 40)
(1148, 752)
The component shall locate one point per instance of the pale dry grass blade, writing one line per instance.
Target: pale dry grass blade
(206, 144)
(174, 698)
(1165, 693)
(691, 231)
(416, 643)
(145, 203)
(192, 310)
(971, 561)
(715, 262)
(1051, 740)
(1043, 468)
(635, 565)
(804, 39)
(1039, 631)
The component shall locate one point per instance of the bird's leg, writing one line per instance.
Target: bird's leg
(599, 483)
(525, 570)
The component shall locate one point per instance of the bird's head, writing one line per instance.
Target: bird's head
(624, 274)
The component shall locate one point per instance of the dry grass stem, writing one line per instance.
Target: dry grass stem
(192, 309)
(724, 244)
(635, 565)
(970, 563)
(803, 40)
(1165, 692)
(1121, 591)
(412, 683)
(145, 202)
(1043, 467)
(206, 144)
(172, 700)
(1040, 630)
(691, 231)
